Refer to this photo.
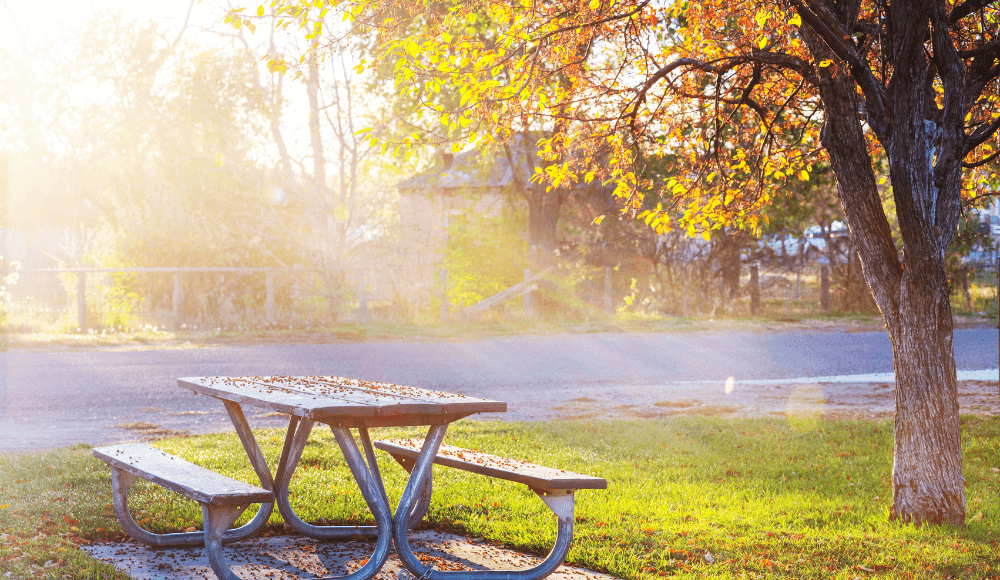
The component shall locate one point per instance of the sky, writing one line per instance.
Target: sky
(67, 12)
(63, 17)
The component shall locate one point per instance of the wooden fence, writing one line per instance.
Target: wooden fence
(270, 314)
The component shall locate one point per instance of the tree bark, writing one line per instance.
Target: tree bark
(927, 477)
(927, 482)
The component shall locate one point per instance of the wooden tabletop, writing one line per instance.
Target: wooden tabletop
(344, 401)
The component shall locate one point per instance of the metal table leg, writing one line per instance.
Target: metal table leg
(560, 502)
(368, 481)
(295, 442)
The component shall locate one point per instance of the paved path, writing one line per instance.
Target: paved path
(55, 398)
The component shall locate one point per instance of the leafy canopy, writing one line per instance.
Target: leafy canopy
(727, 90)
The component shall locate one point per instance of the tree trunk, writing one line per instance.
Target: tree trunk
(543, 221)
(316, 138)
(927, 482)
(927, 467)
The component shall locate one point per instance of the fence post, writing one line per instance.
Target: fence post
(609, 306)
(527, 295)
(798, 282)
(754, 290)
(444, 295)
(269, 299)
(686, 298)
(362, 300)
(178, 300)
(824, 287)
(81, 301)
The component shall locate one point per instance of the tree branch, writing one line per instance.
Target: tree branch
(787, 61)
(745, 99)
(879, 112)
(657, 76)
(966, 8)
(981, 135)
(629, 14)
(981, 162)
(985, 49)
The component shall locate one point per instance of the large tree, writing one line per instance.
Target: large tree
(746, 95)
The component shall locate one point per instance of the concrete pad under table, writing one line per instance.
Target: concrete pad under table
(288, 557)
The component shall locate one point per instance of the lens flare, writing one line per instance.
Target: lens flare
(806, 405)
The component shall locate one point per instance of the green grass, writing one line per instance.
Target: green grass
(385, 332)
(768, 498)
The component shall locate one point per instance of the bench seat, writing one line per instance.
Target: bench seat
(555, 487)
(180, 476)
(530, 474)
(222, 498)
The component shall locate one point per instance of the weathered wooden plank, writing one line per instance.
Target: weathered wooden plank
(412, 397)
(343, 389)
(530, 474)
(276, 398)
(507, 294)
(325, 397)
(181, 476)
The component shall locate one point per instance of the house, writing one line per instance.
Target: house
(462, 183)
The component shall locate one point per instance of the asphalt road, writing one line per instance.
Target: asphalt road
(55, 398)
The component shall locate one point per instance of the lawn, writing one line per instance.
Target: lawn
(765, 497)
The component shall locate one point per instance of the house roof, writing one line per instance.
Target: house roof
(476, 169)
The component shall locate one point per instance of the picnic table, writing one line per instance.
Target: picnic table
(342, 404)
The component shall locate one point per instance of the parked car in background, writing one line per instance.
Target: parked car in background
(810, 246)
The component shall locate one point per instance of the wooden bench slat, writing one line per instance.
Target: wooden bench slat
(530, 474)
(181, 476)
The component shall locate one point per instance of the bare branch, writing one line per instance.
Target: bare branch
(980, 163)
(879, 110)
(981, 135)
(966, 8)
(629, 14)
(993, 47)
(657, 76)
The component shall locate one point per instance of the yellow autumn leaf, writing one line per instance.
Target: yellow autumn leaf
(762, 42)
(595, 4)
(260, 10)
(598, 220)
(795, 20)
(707, 235)
(825, 63)
(803, 175)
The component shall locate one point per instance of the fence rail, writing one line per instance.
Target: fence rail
(178, 291)
(297, 294)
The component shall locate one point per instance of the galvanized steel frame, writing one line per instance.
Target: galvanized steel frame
(412, 506)
(559, 501)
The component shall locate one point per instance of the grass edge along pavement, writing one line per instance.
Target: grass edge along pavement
(455, 331)
(488, 328)
(788, 498)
